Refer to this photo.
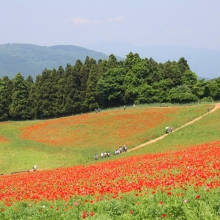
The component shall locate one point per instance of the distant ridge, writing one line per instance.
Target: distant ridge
(30, 59)
(204, 62)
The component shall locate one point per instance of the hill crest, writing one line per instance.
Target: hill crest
(30, 59)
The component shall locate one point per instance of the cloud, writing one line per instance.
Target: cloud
(116, 19)
(83, 21)
(80, 21)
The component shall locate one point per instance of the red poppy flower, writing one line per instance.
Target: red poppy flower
(164, 215)
(92, 213)
(84, 214)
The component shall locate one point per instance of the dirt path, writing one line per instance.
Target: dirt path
(217, 106)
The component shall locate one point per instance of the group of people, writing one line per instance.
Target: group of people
(107, 153)
(97, 110)
(121, 150)
(125, 106)
(168, 129)
(102, 155)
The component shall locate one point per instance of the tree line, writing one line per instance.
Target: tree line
(95, 84)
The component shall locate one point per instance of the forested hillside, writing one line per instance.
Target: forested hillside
(203, 61)
(87, 86)
(33, 59)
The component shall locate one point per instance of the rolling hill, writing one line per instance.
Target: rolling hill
(31, 59)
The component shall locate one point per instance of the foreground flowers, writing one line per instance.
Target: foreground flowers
(195, 166)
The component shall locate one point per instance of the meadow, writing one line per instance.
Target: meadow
(174, 178)
(74, 140)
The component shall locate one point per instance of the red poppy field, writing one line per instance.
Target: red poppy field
(118, 124)
(177, 184)
(3, 139)
(195, 166)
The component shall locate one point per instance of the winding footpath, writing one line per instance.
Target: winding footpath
(217, 106)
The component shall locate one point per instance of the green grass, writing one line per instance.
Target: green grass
(202, 131)
(21, 154)
(131, 206)
(101, 135)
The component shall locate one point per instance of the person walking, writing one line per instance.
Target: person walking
(96, 157)
(35, 167)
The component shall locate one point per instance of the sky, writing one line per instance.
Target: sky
(193, 23)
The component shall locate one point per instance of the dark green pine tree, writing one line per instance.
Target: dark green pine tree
(5, 97)
(36, 98)
(131, 59)
(84, 75)
(30, 83)
(78, 65)
(92, 95)
(45, 94)
(61, 96)
(112, 61)
(18, 109)
(72, 91)
(89, 62)
(183, 65)
(54, 93)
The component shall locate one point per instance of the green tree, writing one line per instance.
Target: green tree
(72, 91)
(172, 71)
(112, 61)
(45, 94)
(60, 92)
(89, 62)
(189, 78)
(111, 88)
(92, 94)
(182, 94)
(5, 97)
(78, 66)
(214, 87)
(131, 60)
(145, 94)
(19, 107)
(34, 98)
(200, 89)
(84, 75)
(183, 65)
(131, 84)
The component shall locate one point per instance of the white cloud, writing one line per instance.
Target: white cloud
(80, 20)
(116, 19)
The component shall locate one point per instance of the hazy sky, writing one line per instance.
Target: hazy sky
(138, 22)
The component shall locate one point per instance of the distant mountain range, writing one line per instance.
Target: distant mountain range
(204, 62)
(31, 59)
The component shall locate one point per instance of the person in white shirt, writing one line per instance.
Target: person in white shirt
(35, 167)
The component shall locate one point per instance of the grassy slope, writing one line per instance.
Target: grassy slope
(103, 131)
(202, 131)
